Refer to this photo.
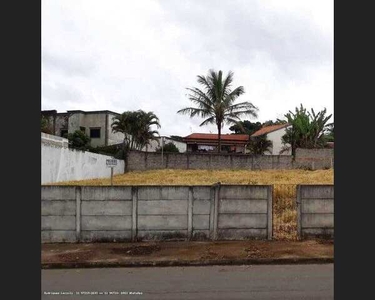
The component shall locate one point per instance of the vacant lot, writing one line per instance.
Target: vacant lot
(284, 181)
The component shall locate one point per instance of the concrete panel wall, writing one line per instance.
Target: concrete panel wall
(315, 158)
(59, 163)
(202, 201)
(244, 212)
(315, 211)
(124, 213)
(58, 210)
(305, 158)
(106, 214)
(162, 212)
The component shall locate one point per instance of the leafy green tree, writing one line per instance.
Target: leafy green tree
(259, 145)
(78, 140)
(45, 126)
(277, 122)
(245, 127)
(307, 130)
(215, 103)
(177, 138)
(329, 134)
(169, 147)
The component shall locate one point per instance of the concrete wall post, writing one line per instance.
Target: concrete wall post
(216, 210)
(134, 213)
(190, 214)
(299, 215)
(78, 191)
(270, 212)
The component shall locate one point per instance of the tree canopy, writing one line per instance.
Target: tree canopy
(307, 130)
(168, 147)
(259, 145)
(137, 128)
(78, 140)
(245, 127)
(45, 125)
(216, 101)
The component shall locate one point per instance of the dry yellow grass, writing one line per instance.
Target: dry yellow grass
(202, 177)
(284, 182)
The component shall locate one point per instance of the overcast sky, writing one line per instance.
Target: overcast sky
(129, 55)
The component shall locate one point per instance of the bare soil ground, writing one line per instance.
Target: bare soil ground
(184, 251)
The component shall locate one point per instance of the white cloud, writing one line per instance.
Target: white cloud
(128, 55)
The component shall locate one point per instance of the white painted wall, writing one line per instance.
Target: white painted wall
(59, 163)
(156, 144)
(277, 145)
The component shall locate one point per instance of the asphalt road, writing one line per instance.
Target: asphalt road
(213, 282)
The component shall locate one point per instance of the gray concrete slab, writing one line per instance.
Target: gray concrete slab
(239, 221)
(107, 207)
(317, 220)
(167, 222)
(243, 206)
(317, 206)
(162, 207)
(106, 193)
(106, 223)
(243, 192)
(58, 208)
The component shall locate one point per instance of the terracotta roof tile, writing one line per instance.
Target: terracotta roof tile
(268, 129)
(214, 137)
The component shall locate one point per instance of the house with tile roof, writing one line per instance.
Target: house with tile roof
(207, 142)
(274, 133)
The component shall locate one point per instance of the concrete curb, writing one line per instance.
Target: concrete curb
(187, 263)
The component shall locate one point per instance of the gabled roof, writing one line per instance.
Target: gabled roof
(268, 129)
(214, 137)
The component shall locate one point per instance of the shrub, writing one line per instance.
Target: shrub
(79, 140)
(169, 147)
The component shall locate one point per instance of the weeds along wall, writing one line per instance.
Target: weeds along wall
(59, 163)
(315, 211)
(305, 158)
(136, 213)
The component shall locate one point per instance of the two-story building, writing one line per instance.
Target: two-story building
(96, 124)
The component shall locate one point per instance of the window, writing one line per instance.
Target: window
(63, 132)
(94, 132)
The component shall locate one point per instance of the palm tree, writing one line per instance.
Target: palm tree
(216, 102)
(145, 133)
(136, 127)
(259, 145)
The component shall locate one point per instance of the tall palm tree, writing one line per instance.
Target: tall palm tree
(215, 102)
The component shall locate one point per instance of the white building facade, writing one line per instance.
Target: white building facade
(154, 144)
(274, 133)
